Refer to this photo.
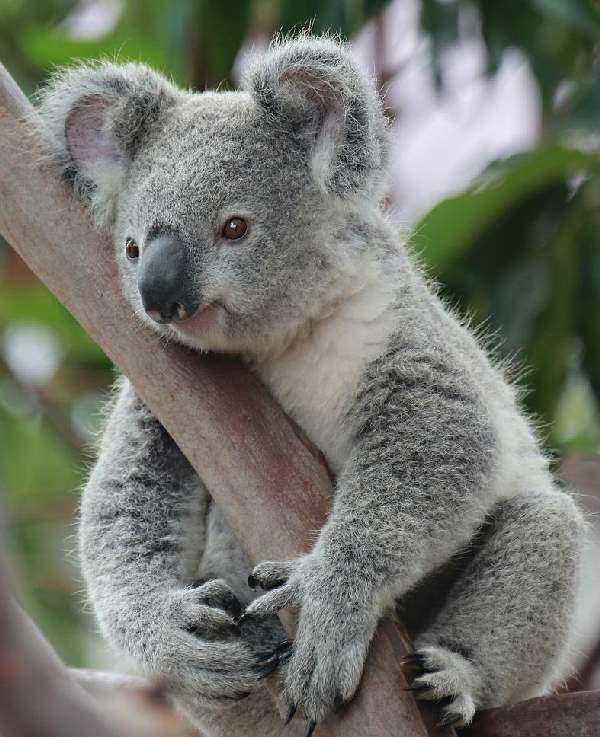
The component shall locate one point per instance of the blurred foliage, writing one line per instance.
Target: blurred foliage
(520, 249)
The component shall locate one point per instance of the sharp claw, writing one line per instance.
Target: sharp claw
(263, 658)
(266, 672)
(284, 657)
(291, 714)
(450, 719)
(280, 654)
(252, 582)
(244, 617)
(413, 659)
(417, 687)
(311, 728)
(283, 652)
(199, 582)
(338, 702)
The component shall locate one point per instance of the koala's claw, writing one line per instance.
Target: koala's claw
(439, 674)
(263, 671)
(291, 714)
(450, 719)
(419, 687)
(327, 659)
(218, 594)
(413, 660)
(311, 728)
(226, 628)
(281, 652)
(339, 702)
(270, 661)
(271, 574)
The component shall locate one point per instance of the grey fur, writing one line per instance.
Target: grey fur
(444, 503)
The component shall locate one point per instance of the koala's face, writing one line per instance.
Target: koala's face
(232, 230)
(232, 213)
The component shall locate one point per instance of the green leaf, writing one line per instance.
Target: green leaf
(440, 21)
(336, 16)
(33, 461)
(549, 348)
(583, 112)
(581, 14)
(43, 47)
(222, 28)
(449, 228)
(588, 302)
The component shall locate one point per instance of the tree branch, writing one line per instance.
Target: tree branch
(39, 697)
(272, 486)
(567, 715)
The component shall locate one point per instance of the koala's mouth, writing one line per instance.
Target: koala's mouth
(202, 320)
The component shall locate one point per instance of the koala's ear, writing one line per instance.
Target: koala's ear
(314, 88)
(96, 119)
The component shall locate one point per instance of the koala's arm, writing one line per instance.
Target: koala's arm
(417, 484)
(142, 533)
(142, 520)
(412, 492)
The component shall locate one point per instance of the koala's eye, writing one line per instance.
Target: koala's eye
(131, 249)
(235, 228)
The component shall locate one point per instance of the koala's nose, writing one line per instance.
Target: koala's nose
(163, 280)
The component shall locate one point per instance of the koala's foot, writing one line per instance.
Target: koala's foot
(439, 674)
(199, 650)
(335, 625)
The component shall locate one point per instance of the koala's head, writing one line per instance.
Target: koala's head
(235, 215)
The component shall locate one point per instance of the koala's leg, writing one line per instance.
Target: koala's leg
(255, 716)
(501, 633)
(142, 533)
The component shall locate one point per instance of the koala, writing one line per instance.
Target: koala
(250, 222)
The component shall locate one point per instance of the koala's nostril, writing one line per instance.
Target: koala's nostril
(172, 313)
(180, 312)
(154, 315)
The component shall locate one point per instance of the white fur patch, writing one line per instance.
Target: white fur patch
(315, 379)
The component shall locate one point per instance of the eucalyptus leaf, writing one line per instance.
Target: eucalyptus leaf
(447, 230)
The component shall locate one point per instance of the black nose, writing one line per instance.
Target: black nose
(164, 280)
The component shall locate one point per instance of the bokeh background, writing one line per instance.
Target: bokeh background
(495, 172)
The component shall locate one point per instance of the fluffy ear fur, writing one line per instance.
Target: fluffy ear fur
(315, 89)
(96, 118)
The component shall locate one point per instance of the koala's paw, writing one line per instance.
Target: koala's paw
(439, 674)
(199, 650)
(332, 638)
(207, 609)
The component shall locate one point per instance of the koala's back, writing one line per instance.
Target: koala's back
(521, 465)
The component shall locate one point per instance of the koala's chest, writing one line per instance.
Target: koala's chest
(317, 396)
(316, 383)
